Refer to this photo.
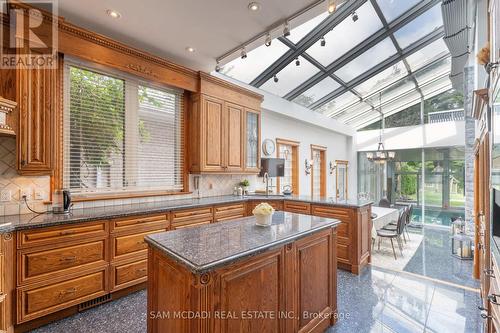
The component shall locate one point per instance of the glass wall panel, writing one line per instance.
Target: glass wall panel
(447, 106)
(431, 179)
(495, 154)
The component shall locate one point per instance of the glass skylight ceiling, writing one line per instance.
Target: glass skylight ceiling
(399, 54)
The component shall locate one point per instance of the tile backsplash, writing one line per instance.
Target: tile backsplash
(37, 188)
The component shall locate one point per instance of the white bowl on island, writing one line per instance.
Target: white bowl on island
(263, 213)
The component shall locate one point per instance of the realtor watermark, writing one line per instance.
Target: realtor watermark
(245, 315)
(29, 39)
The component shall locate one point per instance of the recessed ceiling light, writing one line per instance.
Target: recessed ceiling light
(113, 13)
(190, 49)
(254, 6)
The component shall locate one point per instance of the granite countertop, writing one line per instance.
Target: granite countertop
(210, 246)
(11, 223)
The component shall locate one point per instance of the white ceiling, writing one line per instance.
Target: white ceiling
(167, 27)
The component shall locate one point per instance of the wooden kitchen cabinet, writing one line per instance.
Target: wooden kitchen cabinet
(38, 101)
(224, 128)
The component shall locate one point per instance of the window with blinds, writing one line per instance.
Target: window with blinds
(120, 134)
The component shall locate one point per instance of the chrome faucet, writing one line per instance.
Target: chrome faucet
(266, 179)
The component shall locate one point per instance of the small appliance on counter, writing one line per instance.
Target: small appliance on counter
(287, 190)
(61, 202)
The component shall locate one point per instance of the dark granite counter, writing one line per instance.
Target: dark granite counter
(210, 246)
(26, 221)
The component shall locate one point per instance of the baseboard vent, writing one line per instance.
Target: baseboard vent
(94, 302)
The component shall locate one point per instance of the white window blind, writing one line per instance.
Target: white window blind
(121, 135)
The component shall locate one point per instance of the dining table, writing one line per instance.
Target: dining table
(384, 216)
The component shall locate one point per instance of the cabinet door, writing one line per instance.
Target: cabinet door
(235, 136)
(213, 134)
(252, 140)
(37, 100)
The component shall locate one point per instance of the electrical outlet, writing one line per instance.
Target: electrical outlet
(26, 192)
(5, 195)
(39, 195)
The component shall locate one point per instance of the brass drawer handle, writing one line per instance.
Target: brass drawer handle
(141, 270)
(67, 292)
(141, 242)
(68, 259)
(66, 232)
(493, 299)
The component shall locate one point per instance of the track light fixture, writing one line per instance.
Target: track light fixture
(217, 67)
(332, 6)
(354, 16)
(243, 53)
(297, 62)
(286, 29)
(323, 41)
(275, 79)
(268, 39)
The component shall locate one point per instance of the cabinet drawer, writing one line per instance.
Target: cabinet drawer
(140, 223)
(192, 215)
(297, 207)
(59, 234)
(228, 212)
(49, 263)
(130, 245)
(276, 204)
(38, 301)
(188, 225)
(342, 214)
(126, 275)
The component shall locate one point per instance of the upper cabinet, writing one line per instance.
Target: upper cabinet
(224, 128)
(37, 104)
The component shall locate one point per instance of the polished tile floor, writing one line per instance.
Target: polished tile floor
(424, 297)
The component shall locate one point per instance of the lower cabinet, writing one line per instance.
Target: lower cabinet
(40, 299)
(297, 207)
(294, 284)
(191, 217)
(276, 204)
(127, 274)
(229, 212)
(353, 234)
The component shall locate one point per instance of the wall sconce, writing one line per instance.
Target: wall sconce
(333, 166)
(308, 166)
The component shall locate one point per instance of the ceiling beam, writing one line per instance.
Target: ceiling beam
(312, 37)
(424, 41)
(371, 41)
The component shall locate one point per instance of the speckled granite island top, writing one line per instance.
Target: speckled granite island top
(210, 246)
(27, 221)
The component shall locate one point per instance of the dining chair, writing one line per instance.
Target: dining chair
(384, 202)
(394, 234)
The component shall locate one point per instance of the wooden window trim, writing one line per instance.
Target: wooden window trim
(346, 163)
(56, 179)
(295, 163)
(322, 151)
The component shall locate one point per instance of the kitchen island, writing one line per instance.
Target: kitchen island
(235, 276)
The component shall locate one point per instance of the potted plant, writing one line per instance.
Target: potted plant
(263, 213)
(245, 184)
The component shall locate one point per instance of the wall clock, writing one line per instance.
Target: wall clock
(268, 147)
